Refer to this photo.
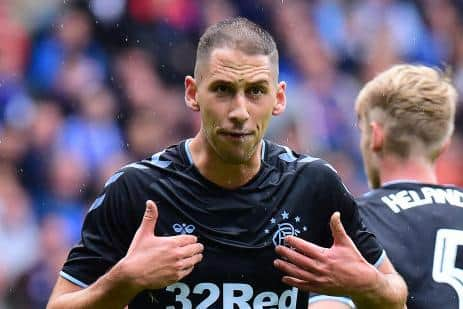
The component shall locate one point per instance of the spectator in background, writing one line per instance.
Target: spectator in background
(14, 45)
(47, 121)
(18, 229)
(35, 15)
(215, 11)
(379, 55)
(148, 103)
(33, 286)
(139, 83)
(142, 145)
(92, 134)
(320, 95)
(67, 184)
(14, 52)
(444, 23)
(393, 24)
(13, 147)
(174, 25)
(67, 59)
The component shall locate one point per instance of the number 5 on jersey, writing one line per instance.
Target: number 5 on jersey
(445, 253)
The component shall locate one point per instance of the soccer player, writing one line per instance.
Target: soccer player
(406, 118)
(219, 203)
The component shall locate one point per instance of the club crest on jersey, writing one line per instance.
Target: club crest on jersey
(183, 228)
(288, 228)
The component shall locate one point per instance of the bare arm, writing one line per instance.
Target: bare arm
(339, 303)
(390, 290)
(175, 258)
(106, 292)
(341, 270)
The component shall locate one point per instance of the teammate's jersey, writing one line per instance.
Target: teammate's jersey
(290, 195)
(421, 228)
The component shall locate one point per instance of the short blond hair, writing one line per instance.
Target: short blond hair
(416, 106)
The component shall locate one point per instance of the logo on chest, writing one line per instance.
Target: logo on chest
(183, 228)
(289, 226)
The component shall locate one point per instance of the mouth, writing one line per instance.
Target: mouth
(236, 134)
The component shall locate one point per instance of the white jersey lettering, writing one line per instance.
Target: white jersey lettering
(234, 295)
(406, 199)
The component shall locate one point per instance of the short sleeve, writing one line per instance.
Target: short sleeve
(107, 231)
(338, 198)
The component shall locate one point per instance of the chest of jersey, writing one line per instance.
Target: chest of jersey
(239, 231)
(290, 195)
(239, 280)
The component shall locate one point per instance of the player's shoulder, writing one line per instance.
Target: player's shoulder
(284, 157)
(168, 160)
(308, 169)
(372, 200)
(371, 197)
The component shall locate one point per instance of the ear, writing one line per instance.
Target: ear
(376, 136)
(281, 99)
(191, 89)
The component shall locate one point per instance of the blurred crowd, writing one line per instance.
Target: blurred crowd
(88, 86)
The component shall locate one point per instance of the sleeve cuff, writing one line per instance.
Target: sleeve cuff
(340, 299)
(72, 279)
(380, 259)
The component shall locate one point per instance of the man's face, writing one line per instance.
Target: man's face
(237, 95)
(369, 164)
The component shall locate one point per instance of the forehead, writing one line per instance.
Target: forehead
(235, 65)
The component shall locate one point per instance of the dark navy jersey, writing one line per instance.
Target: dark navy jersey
(421, 229)
(290, 195)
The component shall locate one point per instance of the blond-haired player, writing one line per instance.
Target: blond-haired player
(406, 118)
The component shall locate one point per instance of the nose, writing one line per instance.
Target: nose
(239, 109)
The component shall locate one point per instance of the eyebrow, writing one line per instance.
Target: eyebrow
(231, 83)
(259, 81)
(221, 82)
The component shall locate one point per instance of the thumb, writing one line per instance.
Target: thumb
(148, 223)
(337, 229)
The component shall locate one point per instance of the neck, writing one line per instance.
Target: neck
(419, 169)
(216, 170)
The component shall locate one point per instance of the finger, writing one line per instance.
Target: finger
(311, 286)
(337, 229)
(191, 261)
(299, 259)
(190, 250)
(185, 272)
(300, 284)
(305, 247)
(177, 276)
(183, 240)
(294, 271)
(148, 223)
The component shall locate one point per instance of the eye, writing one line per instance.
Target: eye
(256, 91)
(222, 89)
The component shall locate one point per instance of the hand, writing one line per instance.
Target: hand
(154, 262)
(339, 270)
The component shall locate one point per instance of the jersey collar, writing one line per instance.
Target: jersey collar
(190, 158)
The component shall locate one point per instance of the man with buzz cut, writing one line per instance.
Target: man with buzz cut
(406, 119)
(220, 204)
